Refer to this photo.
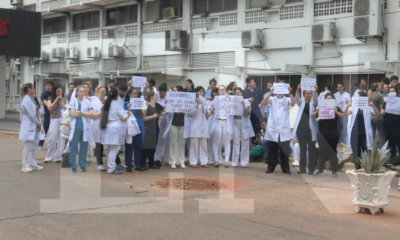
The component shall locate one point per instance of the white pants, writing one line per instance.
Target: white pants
(221, 136)
(55, 145)
(177, 146)
(29, 154)
(198, 150)
(112, 156)
(237, 140)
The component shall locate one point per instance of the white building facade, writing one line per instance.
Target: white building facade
(281, 41)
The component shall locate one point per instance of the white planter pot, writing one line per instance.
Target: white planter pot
(370, 190)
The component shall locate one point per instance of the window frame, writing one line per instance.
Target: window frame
(52, 21)
(115, 9)
(215, 13)
(91, 20)
(160, 10)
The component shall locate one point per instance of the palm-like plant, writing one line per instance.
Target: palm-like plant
(373, 160)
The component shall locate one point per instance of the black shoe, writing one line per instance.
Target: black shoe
(83, 169)
(74, 170)
(287, 171)
(154, 167)
(139, 169)
(301, 172)
(129, 169)
(270, 169)
(146, 168)
(158, 163)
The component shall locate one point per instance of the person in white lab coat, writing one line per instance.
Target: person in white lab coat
(210, 120)
(222, 129)
(360, 130)
(31, 125)
(305, 129)
(113, 129)
(196, 129)
(97, 104)
(79, 134)
(162, 149)
(278, 130)
(55, 104)
(361, 87)
(328, 88)
(342, 98)
(242, 132)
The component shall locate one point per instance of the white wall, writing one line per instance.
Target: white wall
(5, 4)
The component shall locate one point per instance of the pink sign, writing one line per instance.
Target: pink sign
(326, 110)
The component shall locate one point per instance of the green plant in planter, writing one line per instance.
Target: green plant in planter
(373, 160)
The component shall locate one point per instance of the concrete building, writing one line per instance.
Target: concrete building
(331, 40)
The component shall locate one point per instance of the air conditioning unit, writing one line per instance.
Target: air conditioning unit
(176, 40)
(252, 38)
(114, 51)
(58, 52)
(93, 52)
(172, 12)
(368, 18)
(44, 56)
(71, 53)
(323, 32)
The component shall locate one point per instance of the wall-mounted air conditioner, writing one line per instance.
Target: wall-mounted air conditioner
(114, 51)
(323, 32)
(368, 18)
(252, 38)
(93, 52)
(71, 53)
(172, 12)
(58, 52)
(176, 40)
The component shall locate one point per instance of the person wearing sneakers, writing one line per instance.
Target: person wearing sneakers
(30, 128)
(328, 139)
(113, 129)
(210, 120)
(242, 132)
(98, 103)
(56, 104)
(196, 129)
(79, 134)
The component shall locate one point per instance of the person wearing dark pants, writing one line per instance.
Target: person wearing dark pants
(253, 93)
(305, 129)
(273, 160)
(328, 138)
(98, 152)
(46, 121)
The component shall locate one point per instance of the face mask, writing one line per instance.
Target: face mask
(392, 94)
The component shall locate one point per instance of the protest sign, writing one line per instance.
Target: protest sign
(138, 103)
(230, 105)
(308, 83)
(326, 110)
(281, 88)
(181, 102)
(360, 102)
(138, 81)
(393, 105)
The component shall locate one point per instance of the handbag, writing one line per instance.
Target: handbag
(64, 129)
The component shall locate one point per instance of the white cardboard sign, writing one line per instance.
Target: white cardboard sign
(308, 83)
(138, 81)
(138, 103)
(281, 88)
(181, 102)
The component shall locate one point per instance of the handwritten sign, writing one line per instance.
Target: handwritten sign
(308, 83)
(326, 110)
(360, 102)
(138, 81)
(230, 105)
(138, 103)
(281, 88)
(181, 102)
(393, 105)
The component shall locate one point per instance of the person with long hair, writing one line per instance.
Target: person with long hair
(150, 117)
(80, 110)
(328, 138)
(46, 121)
(55, 104)
(342, 98)
(210, 119)
(232, 88)
(305, 129)
(242, 132)
(189, 86)
(113, 129)
(196, 130)
(98, 103)
(377, 121)
(30, 128)
(360, 136)
(134, 148)
(162, 149)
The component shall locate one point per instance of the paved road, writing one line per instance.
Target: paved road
(56, 204)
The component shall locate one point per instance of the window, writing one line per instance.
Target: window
(293, 1)
(122, 15)
(54, 25)
(154, 9)
(86, 20)
(213, 6)
(256, 3)
(262, 81)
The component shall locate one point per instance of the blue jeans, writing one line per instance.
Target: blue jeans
(134, 148)
(73, 149)
(265, 149)
(343, 129)
(46, 125)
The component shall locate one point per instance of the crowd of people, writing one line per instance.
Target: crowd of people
(83, 119)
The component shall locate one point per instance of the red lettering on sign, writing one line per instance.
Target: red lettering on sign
(4, 27)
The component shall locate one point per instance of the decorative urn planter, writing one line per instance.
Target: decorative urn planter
(370, 190)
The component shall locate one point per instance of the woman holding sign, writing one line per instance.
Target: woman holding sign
(328, 134)
(242, 132)
(360, 130)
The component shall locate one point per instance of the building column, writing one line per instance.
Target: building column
(27, 71)
(3, 89)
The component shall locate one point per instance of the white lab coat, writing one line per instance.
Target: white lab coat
(215, 123)
(95, 129)
(357, 91)
(85, 106)
(132, 128)
(367, 112)
(278, 127)
(312, 121)
(342, 99)
(247, 128)
(115, 132)
(29, 120)
(196, 126)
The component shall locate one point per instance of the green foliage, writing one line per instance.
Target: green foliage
(373, 160)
